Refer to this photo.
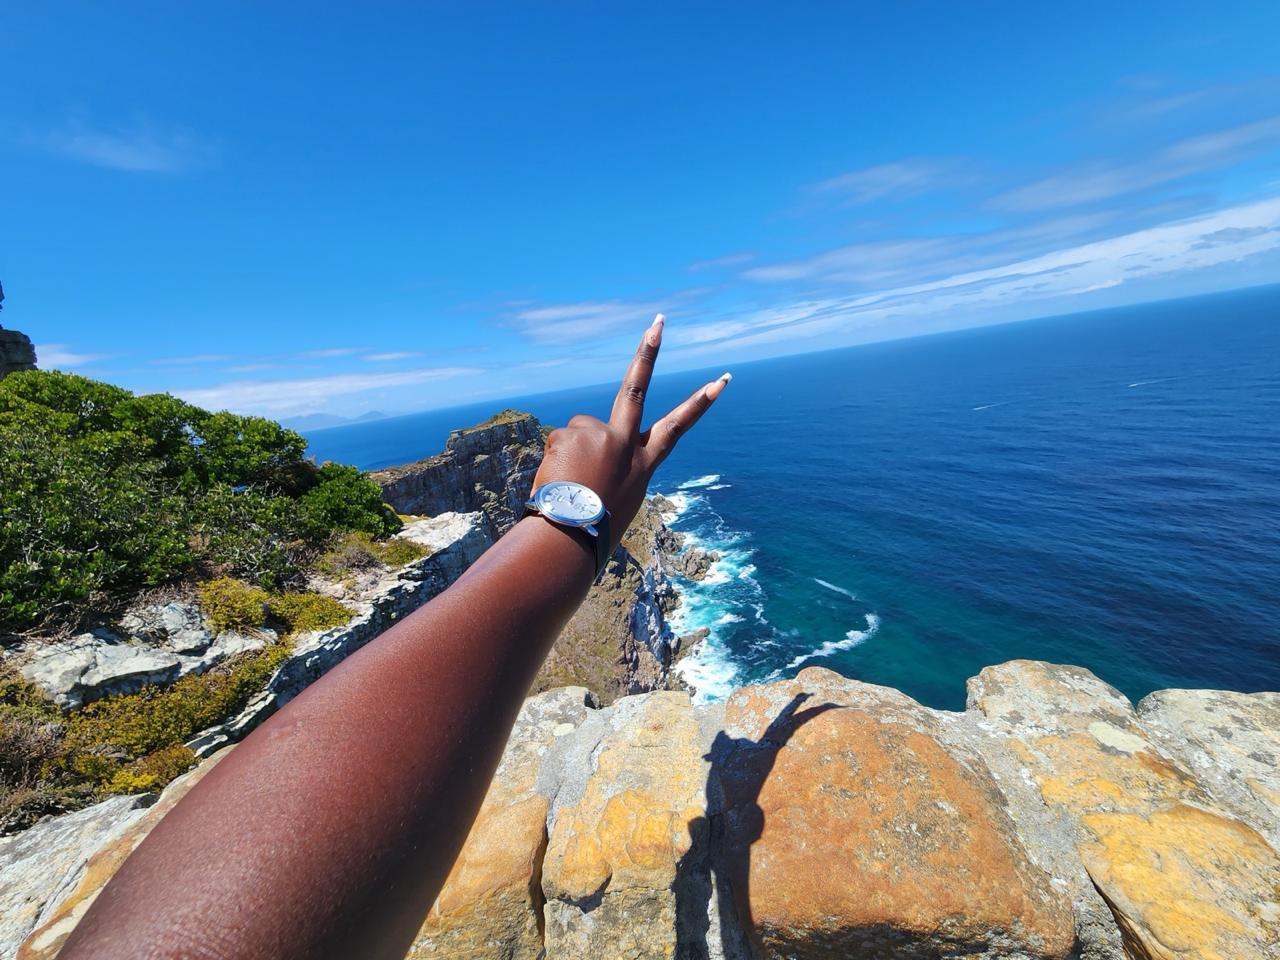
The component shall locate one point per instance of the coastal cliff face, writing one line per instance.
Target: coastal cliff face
(821, 817)
(488, 467)
(16, 352)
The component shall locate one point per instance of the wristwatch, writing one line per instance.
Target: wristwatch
(573, 505)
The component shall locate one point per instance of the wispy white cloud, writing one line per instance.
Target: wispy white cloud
(585, 321)
(721, 263)
(902, 178)
(1232, 234)
(195, 358)
(392, 355)
(1100, 181)
(329, 352)
(60, 357)
(283, 397)
(140, 149)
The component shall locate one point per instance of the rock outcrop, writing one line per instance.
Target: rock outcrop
(821, 817)
(488, 467)
(16, 352)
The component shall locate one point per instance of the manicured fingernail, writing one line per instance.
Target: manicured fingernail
(716, 387)
(653, 336)
(726, 377)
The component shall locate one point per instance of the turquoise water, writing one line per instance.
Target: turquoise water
(1100, 489)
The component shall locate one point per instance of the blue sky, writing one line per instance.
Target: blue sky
(289, 208)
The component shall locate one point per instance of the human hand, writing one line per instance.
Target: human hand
(617, 459)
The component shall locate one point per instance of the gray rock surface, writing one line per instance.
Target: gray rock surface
(1229, 741)
(103, 663)
(41, 865)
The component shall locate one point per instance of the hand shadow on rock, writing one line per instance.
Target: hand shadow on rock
(712, 879)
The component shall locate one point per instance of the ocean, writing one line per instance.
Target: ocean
(1101, 489)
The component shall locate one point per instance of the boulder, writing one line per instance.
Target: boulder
(1230, 742)
(93, 665)
(491, 905)
(177, 624)
(108, 852)
(856, 826)
(626, 820)
(42, 865)
(1182, 876)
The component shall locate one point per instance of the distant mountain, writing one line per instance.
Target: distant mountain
(322, 421)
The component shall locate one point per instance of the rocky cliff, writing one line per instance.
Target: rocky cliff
(822, 817)
(16, 352)
(487, 467)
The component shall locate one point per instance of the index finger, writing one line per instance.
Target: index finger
(628, 406)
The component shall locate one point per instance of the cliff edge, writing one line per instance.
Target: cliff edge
(16, 352)
(821, 817)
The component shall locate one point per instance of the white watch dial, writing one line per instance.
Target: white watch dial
(570, 502)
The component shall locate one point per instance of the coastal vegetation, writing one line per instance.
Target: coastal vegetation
(108, 493)
(112, 500)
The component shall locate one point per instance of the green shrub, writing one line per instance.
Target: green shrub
(303, 612)
(233, 605)
(344, 498)
(106, 493)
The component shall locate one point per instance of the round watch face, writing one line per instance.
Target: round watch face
(570, 502)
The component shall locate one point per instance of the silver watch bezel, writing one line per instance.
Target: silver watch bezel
(537, 502)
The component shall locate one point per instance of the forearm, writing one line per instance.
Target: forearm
(360, 791)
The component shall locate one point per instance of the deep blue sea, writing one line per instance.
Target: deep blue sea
(1100, 489)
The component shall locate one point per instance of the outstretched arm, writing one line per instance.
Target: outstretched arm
(330, 830)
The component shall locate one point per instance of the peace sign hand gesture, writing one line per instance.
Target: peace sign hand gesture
(617, 459)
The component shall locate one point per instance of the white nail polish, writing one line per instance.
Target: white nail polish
(726, 377)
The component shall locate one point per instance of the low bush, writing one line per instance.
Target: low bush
(354, 553)
(304, 612)
(233, 605)
(153, 771)
(134, 725)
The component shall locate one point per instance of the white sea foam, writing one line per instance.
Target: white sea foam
(1145, 383)
(720, 486)
(728, 618)
(851, 640)
(697, 482)
(831, 586)
(988, 406)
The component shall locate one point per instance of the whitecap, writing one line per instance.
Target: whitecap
(709, 670)
(831, 586)
(720, 486)
(729, 618)
(988, 406)
(851, 640)
(1146, 383)
(696, 482)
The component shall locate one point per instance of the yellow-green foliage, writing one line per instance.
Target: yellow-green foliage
(232, 604)
(302, 612)
(354, 552)
(152, 771)
(155, 717)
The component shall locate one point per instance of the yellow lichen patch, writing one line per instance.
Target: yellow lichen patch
(1185, 883)
(1079, 773)
(619, 846)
